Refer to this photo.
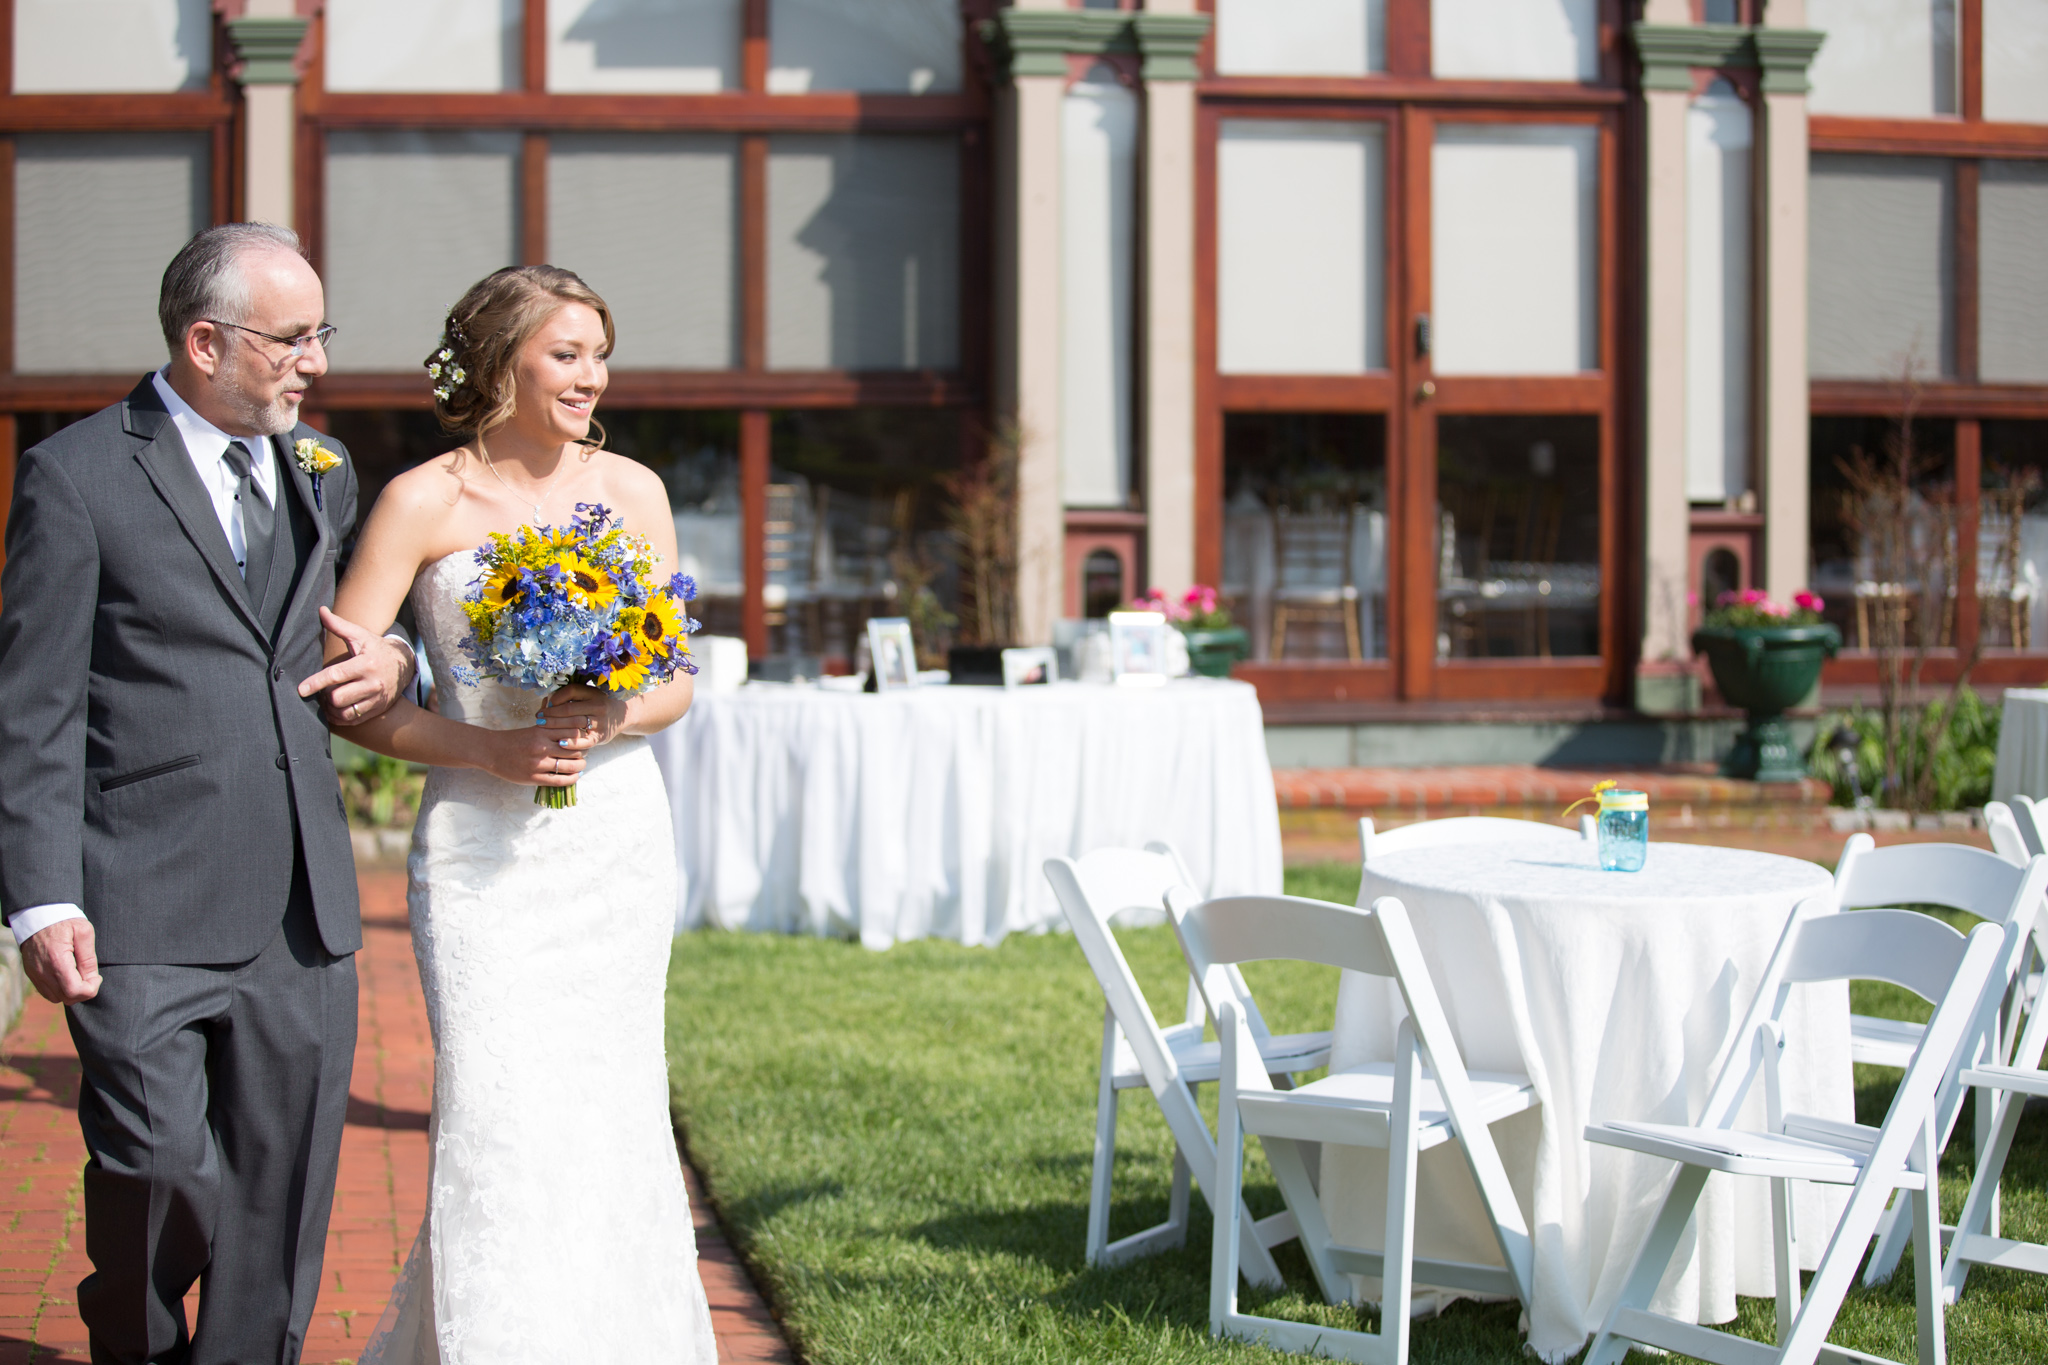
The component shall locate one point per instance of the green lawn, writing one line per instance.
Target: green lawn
(900, 1143)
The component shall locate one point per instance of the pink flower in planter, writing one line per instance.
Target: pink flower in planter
(1808, 601)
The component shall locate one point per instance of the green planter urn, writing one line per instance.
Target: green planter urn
(1212, 652)
(1764, 670)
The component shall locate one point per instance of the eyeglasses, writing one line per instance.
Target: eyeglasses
(322, 338)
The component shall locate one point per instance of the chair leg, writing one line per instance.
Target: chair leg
(1927, 1253)
(1785, 1252)
(1228, 1191)
(1397, 1251)
(1651, 1262)
(1974, 1220)
(1177, 1204)
(1105, 1144)
(1893, 1225)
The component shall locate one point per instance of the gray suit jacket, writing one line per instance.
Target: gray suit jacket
(158, 768)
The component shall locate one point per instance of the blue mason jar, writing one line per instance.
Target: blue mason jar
(1624, 830)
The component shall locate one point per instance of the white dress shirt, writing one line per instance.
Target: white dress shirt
(206, 444)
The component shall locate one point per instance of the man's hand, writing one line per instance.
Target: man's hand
(61, 962)
(363, 685)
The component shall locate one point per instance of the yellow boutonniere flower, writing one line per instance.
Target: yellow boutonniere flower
(315, 458)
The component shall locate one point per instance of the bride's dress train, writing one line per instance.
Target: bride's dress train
(557, 1227)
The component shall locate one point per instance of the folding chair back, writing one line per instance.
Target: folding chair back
(1954, 875)
(2006, 840)
(2033, 823)
(1463, 829)
(1092, 891)
(1916, 951)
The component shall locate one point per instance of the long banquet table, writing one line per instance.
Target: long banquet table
(929, 812)
(1616, 993)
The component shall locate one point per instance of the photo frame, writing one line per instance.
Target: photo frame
(1032, 666)
(891, 653)
(1137, 648)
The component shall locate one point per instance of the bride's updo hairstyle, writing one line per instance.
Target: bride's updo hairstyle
(475, 388)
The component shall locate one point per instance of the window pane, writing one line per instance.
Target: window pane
(1305, 533)
(2012, 264)
(1885, 58)
(1882, 520)
(1513, 237)
(413, 220)
(2012, 537)
(1098, 203)
(423, 44)
(644, 46)
(698, 457)
(863, 252)
(1301, 272)
(648, 221)
(1717, 350)
(856, 523)
(1518, 537)
(1529, 40)
(2016, 61)
(97, 217)
(1302, 38)
(1881, 267)
(905, 47)
(111, 45)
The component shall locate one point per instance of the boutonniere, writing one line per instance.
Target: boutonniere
(315, 459)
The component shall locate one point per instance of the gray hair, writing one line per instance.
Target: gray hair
(205, 280)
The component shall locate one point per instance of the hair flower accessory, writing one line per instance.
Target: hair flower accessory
(315, 459)
(447, 374)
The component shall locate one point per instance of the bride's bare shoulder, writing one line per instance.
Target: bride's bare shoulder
(433, 486)
(629, 483)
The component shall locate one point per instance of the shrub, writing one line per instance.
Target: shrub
(1964, 753)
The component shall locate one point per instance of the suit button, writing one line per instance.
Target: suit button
(283, 762)
(278, 676)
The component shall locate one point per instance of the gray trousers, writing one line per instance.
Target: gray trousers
(212, 1103)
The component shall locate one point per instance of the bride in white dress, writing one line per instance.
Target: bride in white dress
(557, 1227)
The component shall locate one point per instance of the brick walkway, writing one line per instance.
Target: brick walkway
(376, 1207)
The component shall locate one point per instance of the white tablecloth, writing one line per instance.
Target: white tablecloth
(2022, 768)
(929, 812)
(1616, 992)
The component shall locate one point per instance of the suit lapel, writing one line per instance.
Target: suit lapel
(164, 459)
(288, 468)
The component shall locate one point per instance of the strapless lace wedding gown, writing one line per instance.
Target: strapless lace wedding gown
(557, 1227)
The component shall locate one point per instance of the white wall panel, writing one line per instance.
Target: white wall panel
(904, 47)
(863, 252)
(1529, 40)
(2012, 265)
(423, 45)
(413, 220)
(1884, 58)
(1881, 262)
(1719, 135)
(106, 46)
(2016, 61)
(1098, 211)
(1514, 243)
(1301, 245)
(649, 221)
(676, 47)
(97, 218)
(1301, 37)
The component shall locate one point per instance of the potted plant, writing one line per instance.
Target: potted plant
(1214, 644)
(1766, 657)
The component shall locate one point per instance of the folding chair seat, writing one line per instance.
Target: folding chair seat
(1137, 1053)
(1421, 1099)
(1463, 829)
(1960, 976)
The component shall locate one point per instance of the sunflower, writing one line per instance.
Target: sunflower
(505, 587)
(588, 585)
(660, 629)
(628, 671)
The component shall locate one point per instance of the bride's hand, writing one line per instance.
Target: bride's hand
(550, 755)
(599, 716)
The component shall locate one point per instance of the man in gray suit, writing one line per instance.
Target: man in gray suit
(174, 854)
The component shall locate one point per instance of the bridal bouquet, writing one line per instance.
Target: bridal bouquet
(576, 604)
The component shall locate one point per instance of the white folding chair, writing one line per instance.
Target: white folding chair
(2031, 819)
(1463, 829)
(1137, 1053)
(1423, 1098)
(2006, 840)
(1961, 878)
(1909, 949)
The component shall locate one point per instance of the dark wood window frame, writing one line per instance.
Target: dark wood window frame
(1966, 140)
(1409, 103)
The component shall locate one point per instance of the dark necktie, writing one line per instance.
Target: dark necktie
(259, 522)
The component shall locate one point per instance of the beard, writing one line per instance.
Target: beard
(263, 411)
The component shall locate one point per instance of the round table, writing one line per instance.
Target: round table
(1616, 993)
(2022, 766)
(930, 812)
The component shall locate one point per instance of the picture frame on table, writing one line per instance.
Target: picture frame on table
(1137, 648)
(891, 652)
(1030, 666)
